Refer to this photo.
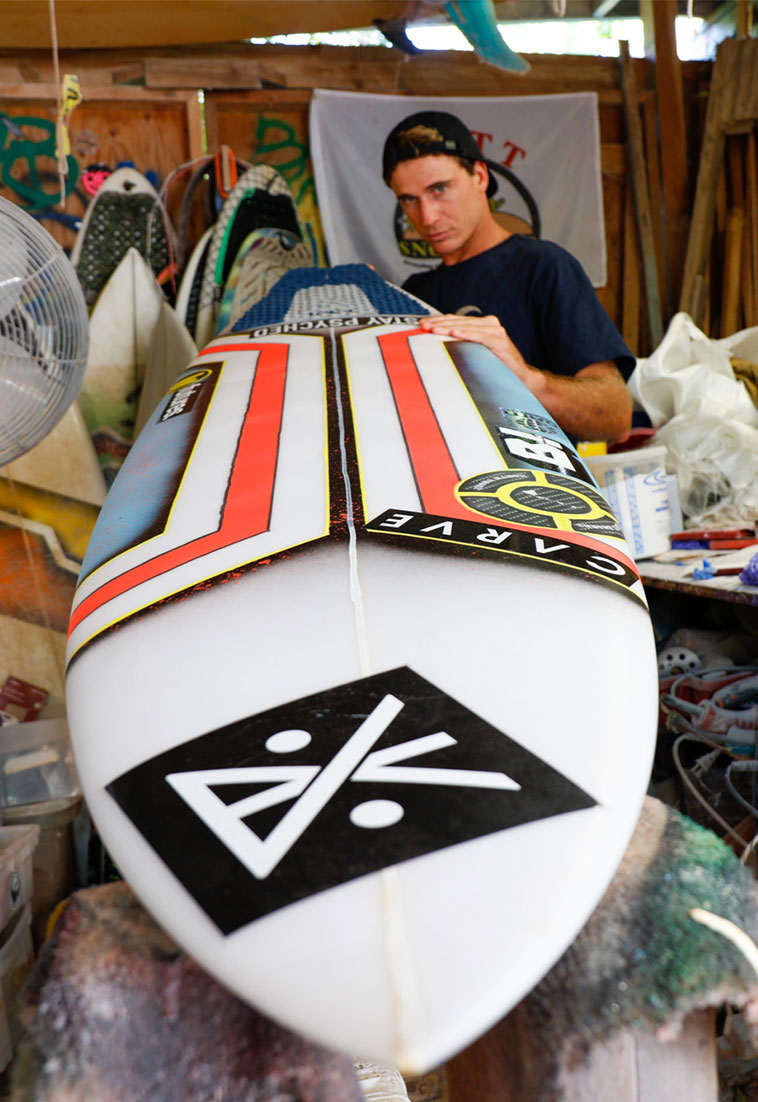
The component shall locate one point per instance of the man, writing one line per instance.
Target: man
(535, 307)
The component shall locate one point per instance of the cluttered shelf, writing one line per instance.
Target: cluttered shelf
(678, 577)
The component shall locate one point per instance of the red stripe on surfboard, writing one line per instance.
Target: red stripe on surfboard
(434, 469)
(215, 349)
(247, 508)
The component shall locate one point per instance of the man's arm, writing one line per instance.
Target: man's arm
(594, 404)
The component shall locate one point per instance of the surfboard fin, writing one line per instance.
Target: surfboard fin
(478, 22)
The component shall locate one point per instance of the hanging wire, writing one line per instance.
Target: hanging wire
(696, 793)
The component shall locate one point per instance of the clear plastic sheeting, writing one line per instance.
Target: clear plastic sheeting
(43, 332)
(707, 419)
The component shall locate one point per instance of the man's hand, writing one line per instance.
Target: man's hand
(483, 330)
(594, 404)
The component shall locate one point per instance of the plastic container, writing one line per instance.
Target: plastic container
(54, 860)
(36, 763)
(17, 847)
(16, 961)
(635, 486)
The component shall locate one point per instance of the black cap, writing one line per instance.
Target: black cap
(457, 141)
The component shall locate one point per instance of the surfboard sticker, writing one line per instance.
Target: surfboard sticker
(360, 772)
(421, 439)
(238, 452)
(449, 399)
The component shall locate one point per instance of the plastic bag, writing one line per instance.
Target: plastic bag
(706, 418)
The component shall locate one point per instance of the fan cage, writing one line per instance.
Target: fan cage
(43, 332)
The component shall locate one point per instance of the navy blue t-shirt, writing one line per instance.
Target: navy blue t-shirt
(543, 298)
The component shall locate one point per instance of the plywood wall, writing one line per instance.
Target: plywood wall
(155, 130)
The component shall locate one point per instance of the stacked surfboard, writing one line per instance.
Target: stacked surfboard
(362, 684)
(256, 237)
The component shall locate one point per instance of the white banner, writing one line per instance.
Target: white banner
(551, 143)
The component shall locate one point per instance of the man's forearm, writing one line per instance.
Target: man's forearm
(592, 405)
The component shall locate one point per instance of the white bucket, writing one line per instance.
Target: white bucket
(635, 486)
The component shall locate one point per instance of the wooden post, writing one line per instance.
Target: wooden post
(709, 171)
(734, 251)
(730, 305)
(630, 293)
(673, 135)
(652, 158)
(742, 19)
(752, 240)
(641, 197)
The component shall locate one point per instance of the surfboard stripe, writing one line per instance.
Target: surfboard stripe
(433, 466)
(251, 490)
(247, 507)
(213, 349)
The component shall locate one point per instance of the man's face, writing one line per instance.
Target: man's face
(446, 205)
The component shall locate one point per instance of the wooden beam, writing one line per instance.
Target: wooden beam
(641, 197)
(92, 24)
(203, 73)
(434, 72)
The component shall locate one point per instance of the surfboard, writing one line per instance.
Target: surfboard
(392, 685)
(261, 197)
(171, 349)
(121, 329)
(207, 181)
(263, 258)
(43, 536)
(126, 212)
(49, 501)
(188, 295)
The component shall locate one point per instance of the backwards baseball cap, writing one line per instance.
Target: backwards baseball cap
(456, 141)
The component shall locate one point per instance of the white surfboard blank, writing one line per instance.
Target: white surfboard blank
(368, 764)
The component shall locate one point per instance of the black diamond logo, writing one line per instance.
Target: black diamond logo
(290, 802)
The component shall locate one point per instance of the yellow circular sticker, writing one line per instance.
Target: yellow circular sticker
(537, 498)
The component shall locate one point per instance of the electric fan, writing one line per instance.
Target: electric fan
(43, 332)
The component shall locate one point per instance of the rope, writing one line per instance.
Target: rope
(62, 164)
